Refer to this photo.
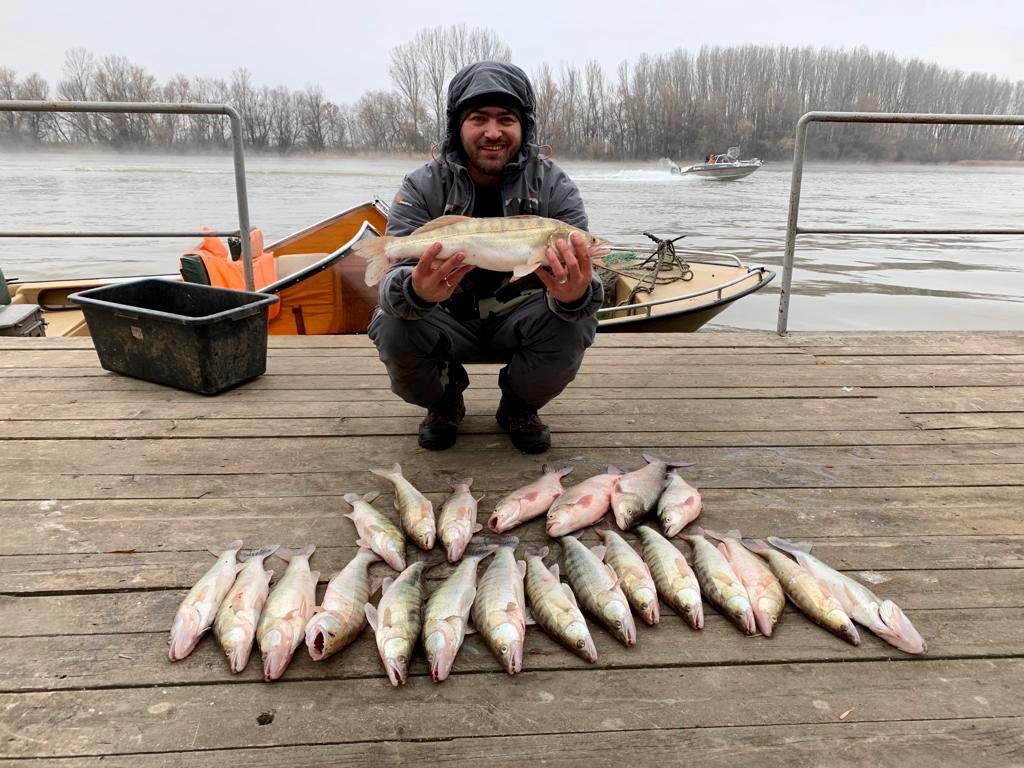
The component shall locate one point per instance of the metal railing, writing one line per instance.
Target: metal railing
(144, 107)
(792, 227)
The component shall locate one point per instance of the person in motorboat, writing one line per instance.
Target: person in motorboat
(436, 315)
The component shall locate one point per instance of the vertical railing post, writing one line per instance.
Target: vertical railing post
(243, 197)
(791, 224)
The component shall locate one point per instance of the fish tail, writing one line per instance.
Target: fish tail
(218, 551)
(760, 546)
(498, 540)
(374, 253)
(260, 553)
(650, 458)
(540, 552)
(288, 554)
(554, 469)
(455, 483)
(793, 547)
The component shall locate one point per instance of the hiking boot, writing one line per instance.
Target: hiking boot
(440, 428)
(529, 434)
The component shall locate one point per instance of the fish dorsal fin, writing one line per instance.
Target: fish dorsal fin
(613, 574)
(599, 551)
(441, 221)
(477, 527)
(554, 571)
(521, 565)
(793, 547)
(218, 551)
(470, 627)
(569, 593)
(528, 618)
(371, 616)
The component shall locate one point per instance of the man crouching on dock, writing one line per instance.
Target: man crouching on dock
(436, 315)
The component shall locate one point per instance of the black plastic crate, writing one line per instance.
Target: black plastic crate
(185, 335)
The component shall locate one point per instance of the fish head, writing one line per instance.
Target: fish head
(505, 515)
(507, 642)
(277, 652)
(395, 654)
(628, 508)
(320, 635)
(186, 631)
(440, 655)
(237, 645)
(899, 632)
(394, 554)
(765, 618)
(843, 626)
(619, 619)
(647, 605)
(672, 524)
(577, 635)
(738, 609)
(423, 533)
(560, 523)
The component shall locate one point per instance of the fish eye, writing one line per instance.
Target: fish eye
(581, 644)
(618, 625)
(401, 659)
(504, 649)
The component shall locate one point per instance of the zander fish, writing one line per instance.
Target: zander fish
(583, 504)
(806, 592)
(530, 501)
(447, 613)
(679, 505)
(677, 584)
(499, 609)
(635, 493)
(341, 615)
(516, 244)
(719, 582)
(555, 608)
(764, 591)
(197, 611)
(883, 617)
(597, 588)
(235, 625)
(397, 619)
(415, 509)
(376, 531)
(457, 523)
(283, 623)
(634, 576)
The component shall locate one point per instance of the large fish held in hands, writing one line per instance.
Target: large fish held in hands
(415, 509)
(635, 493)
(282, 626)
(341, 615)
(397, 619)
(197, 611)
(719, 582)
(597, 588)
(806, 592)
(376, 531)
(583, 504)
(516, 244)
(499, 609)
(457, 522)
(530, 501)
(677, 583)
(767, 600)
(679, 505)
(235, 625)
(883, 617)
(555, 608)
(447, 613)
(634, 576)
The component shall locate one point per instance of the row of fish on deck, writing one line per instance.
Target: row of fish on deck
(747, 580)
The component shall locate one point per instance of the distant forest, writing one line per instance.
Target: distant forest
(680, 105)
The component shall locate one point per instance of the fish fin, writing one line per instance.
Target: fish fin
(521, 565)
(249, 554)
(599, 551)
(375, 583)
(315, 575)
(528, 619)
(387, 582)
(371, 615)
(613, 574)
(512, 607)
(709, 534)
(497, 539)
(613, 470)
(724, 550)
(554, 571)
(756, 545)
(570, 594)
(683, 567)
(455, 483)
(371, 497)
(288, 554)
(239, 567)
(369, 554)
(470, 627)
(522, 270)
(351, 498)
(429, 559)
(552, 469)
(218, 551)
(385, 473)
(362, 543)
(732, 533)
(441, 221)
(650, 458)
(477, 527)
(374, 253)
(790, 546)
(540, 552)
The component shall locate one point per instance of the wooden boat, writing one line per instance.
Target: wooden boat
(319, 282)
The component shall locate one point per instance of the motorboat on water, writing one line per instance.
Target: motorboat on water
(727, 167)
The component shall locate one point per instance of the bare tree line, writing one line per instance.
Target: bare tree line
(680, 105)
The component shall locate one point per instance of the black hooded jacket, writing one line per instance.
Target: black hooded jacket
(532, 185)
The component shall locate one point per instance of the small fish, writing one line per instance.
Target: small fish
(499, 609)
(635, 493)
(883, 617)
(582, 505)
(720, 584)
(555, 608)
(679, 505)
(340, 617)
(397, 619)
(597, 588)
(376, 531)
(283, 623)
(806, 592)
(458, 519)
(634, 576)
(416, 511)
(447, 613)
(516, 244)
(764, 591)
(677, 584)
(197, 611)
(235, 625)
(530, 501)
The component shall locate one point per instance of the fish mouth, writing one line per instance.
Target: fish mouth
(765, 622)
(512, 659)
(316, 643)
(238, 657)
(496, 524)
(898, 630)
(275, 662)
(652, 615)
(185, 634)
(397, 672)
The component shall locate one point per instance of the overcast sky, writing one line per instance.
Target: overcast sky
(344, 45)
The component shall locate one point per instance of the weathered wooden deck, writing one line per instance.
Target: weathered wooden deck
(900, 455)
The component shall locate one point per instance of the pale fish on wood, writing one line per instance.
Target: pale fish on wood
(415, 509)
(282, 626)
(719, 582)
(582, 505)
(555, 608)
(235, 625)
(635, 493)
(197, 611)
(597, 588)
(457, 522)
(341, 615)
(499, 609)
(376, 531)
(764, 591)
(679, 505)
(677, 584)
(634, 576)
(397, 619)
(530, 501)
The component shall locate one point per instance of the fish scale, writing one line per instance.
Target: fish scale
(397, 619)
(555, 608)
(720, 584)
(282, 626)
(415, 509)
(596, 587)
(239, 613)
(677, 584)
(499, 609)
(764, 591)
(634, 576)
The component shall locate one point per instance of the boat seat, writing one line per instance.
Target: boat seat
(193, 270)
(290, 263)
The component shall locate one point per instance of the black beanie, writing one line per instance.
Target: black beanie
(502, 100)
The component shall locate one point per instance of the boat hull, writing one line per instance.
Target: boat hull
(722, 171)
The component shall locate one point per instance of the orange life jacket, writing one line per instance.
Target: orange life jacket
(225, 273)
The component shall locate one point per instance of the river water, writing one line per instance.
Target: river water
(842, 282)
